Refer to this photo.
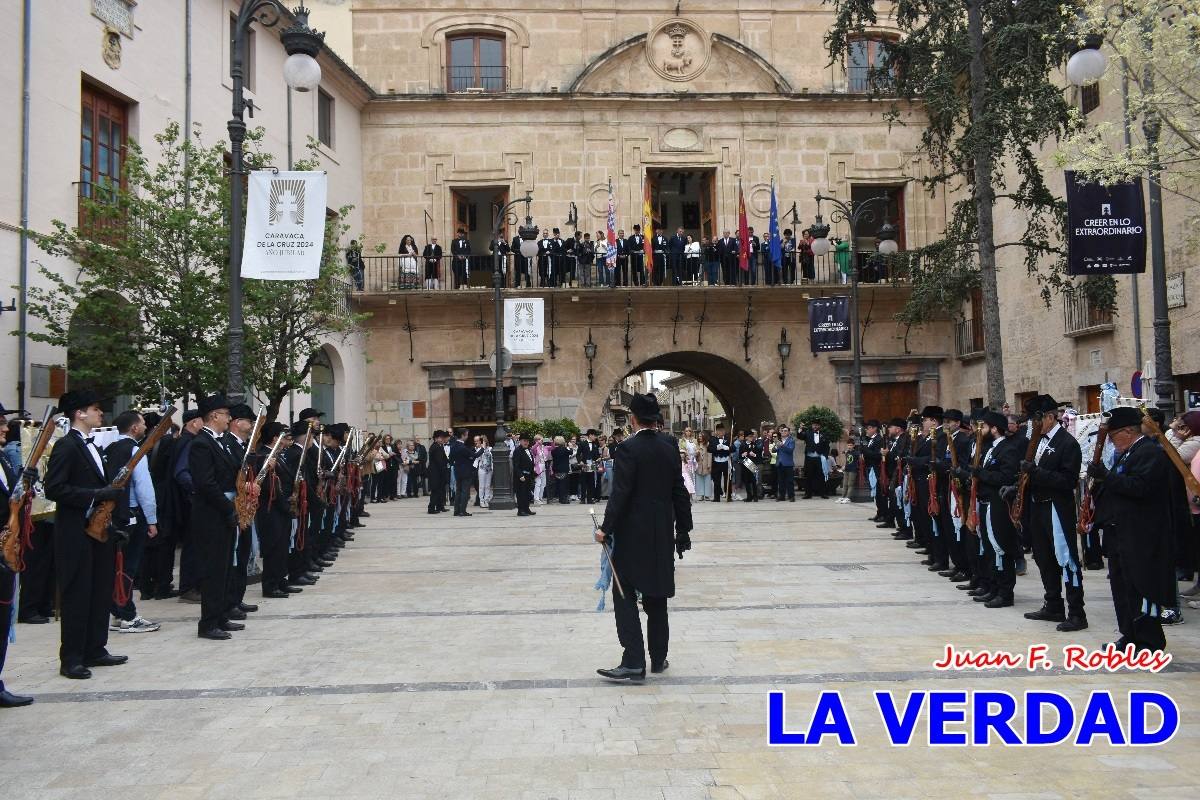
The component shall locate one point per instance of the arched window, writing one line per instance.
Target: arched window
(475, 63)
(865, 61)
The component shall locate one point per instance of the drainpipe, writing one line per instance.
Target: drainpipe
(22, 318)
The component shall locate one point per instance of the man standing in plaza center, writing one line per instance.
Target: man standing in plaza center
(648, 515)
(214, 522)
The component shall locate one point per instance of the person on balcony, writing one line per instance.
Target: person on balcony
(433, 260)
(660, 247)
(676, 255)
(354, 263)
(460, 250)
(545, 253)
(521, 264)
(585, 255)
(635, 246)
(727, 252)
(500, 245)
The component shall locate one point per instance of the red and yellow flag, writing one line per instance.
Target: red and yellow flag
(648, 229)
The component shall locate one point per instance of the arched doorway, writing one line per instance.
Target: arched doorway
(324, 384)
(742, 398)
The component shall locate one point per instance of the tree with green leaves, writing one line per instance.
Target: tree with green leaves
(148, 311)
(981, 73)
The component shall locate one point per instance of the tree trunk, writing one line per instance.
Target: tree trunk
(985, 201)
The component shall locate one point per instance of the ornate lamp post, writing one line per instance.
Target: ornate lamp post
(589, 352)
(785, 351)
(502, 482)
(854, 213)
(302, 73)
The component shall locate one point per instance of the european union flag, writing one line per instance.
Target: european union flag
(776, 245)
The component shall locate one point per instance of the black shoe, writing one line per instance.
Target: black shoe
(1072, 623)
(275, 594)
(1097, 564)
(34, 619)
(998, 602)
(10, 700)
(624, 674)
(938, 568)
(106, 660)
(968, 587)
(526, 513)
(885, 525)
(315, 567)
(166, 594)
(659, 667)
(249, 608)
(978, 590)
(808, 497)
(985, 598)
(214, 633)
(303, 580)
(876, 518)
(232, 626)
(949, 573)
(365, 514)
(76, 673)
(960, 578)
(913, 544)
(929, 562)
(236, 613)
(902, 536)
(312, 576)
(290, 589)
(1047, 614)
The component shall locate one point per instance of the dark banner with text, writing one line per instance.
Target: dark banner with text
(829, 324)
(1106, 228)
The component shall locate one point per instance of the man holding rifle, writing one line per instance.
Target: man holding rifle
(8, 580)
(214, 520)
(76, 482)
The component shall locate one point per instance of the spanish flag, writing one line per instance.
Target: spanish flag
(648, 229)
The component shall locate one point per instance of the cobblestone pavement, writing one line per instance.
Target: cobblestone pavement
(455, 658)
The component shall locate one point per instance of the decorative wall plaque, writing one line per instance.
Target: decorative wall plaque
(117, 14)
(678, 49)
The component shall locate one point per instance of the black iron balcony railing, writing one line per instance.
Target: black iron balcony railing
(864, 80)
(968, 338)
(476, 79)
(393, 273)
(1081, 318)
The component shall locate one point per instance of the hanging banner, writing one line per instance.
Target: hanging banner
(829, 324)
(1106, 228)
(524, 327)
(285, 226)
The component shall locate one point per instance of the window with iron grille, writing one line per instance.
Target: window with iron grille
(866, 66)
(475, 63)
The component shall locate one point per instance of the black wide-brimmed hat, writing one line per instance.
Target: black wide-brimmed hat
(645, 406)
(933, 412)
(592, 432)
(953, 415)
(209, 404)
(1122, 417)
(240, 411)
(525, 436)
(76, 400)
(1046, 404)
(872, 423)
(309, 413)
(300, 428)
(897, 422)
(191, 414)
(914, 420)
(996, 420)
(272, 429)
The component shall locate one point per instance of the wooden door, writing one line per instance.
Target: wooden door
(882, 401)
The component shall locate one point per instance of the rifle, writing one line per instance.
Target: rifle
(298, 503)
(324, 490)
(972, 522)
(955, 489)
(933, 507)
(909, 481)
(15, 535)
(1189, 480)
(244, 502)
(1087, 504)
(1016, 509)
(101, 516)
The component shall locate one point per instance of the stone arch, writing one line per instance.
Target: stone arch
(516, 43)
(745, 401)
(734, 66)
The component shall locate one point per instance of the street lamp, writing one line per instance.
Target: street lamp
(785, 351)
(302, 73)
(589, 352)
(855, 212)
(1086, 66)
(502, 478)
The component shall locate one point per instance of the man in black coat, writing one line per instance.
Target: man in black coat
(635, 245)
(433, 263)
(500, 245)
(870, 450)
(951, 517)
(237, 440)
(214, 522)
(676, 247)
(460, 249)
(816, 448)
(719, 448)
(921, 460)
(648, 515)
(417, 475)
(659, 250)
(523, 476)
(993, 584)
(439, 472)
(895, 448)
(76, 482)
(588, 455)
(1053, 476)
(462, 456)
(273, 520)
(8, 581)
(298, 528)
(521, 264)
(727, 252)
(1134, 514)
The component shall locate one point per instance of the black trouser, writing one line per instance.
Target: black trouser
(416, 482)
(750, 483)
(237, 572)
(37, 581)
(523, 489)
(785, 482)
(921, 521)
(274, 529)
(462, 492)
(589, 487)
(814, 478)
(8, 585)
(1137, 618)
(85, 570)
(562, 486)
(881, 495)
(629, 627)
(637, 270)
(214, 545)
(1001, 579)
(460, 272)
(1053, 582)
(720, 476)
(158, 564)
(437, 493)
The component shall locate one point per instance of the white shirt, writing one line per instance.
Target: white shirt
(141, 493)
(1045, 442)
(91, 448)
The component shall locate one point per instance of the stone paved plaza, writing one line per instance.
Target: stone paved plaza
(455, 658)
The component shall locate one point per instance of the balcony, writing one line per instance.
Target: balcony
(868, 80)
(473, 79)
(384, 274)
(968, 339)
(100, 218)
(1081, 319)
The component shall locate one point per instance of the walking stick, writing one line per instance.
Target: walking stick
(607, 554)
